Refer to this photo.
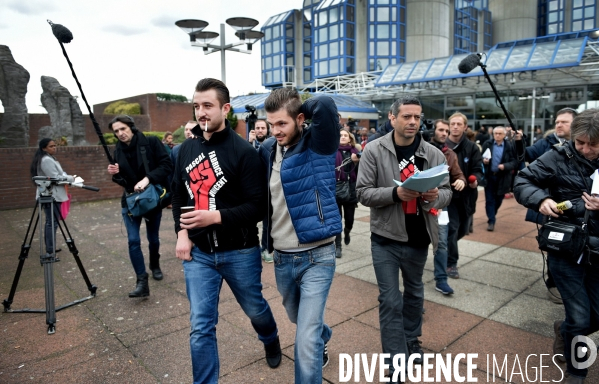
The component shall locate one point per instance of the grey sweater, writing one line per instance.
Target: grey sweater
(51, 167)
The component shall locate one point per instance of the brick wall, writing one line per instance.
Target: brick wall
(18, 191)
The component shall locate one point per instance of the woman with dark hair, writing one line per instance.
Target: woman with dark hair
(345, 170)
(45, 164)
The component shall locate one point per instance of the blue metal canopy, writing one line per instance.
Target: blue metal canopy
(344, 103)
(548, 52)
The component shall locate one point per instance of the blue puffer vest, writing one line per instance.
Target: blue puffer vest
(308, 180)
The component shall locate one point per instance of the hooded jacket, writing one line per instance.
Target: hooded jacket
(308, 174)
(554, 176)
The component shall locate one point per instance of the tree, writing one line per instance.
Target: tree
(232, 118)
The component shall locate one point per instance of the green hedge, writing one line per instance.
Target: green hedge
(171, 97)
(111, 139)
(121, 107)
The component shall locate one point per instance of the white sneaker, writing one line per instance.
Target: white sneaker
(267, 257)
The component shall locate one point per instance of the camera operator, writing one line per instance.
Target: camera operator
(259, 133)
(130, 173)
(557, 176)
(45, 164)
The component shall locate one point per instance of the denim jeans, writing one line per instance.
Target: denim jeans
(152, 229)
(204, 274)
(441, 256)
(49, 234)
(400, 315)
(304, 280)
(492, 199)
(579, 288)
(459, 223)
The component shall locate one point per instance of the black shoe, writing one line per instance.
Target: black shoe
(157, 274)
(155, 266)
(414, 348)
(347, 238)
(273, 353)
(491, 227)
(142, 289)
(325, 355)
(338, 252)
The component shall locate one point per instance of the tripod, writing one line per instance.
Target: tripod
(47, 260)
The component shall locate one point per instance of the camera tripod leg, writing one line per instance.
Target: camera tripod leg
(25, 247)
(48, 262)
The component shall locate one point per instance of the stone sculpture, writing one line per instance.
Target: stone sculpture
(14, 128)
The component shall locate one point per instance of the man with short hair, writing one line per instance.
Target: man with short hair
(499, 171)
(139, 162)
(458, 181)
(256, 138)
(403, 223)
(303, 217)
(259, 133)
(463, 203)
(175, 152)
(218, 239)
(563, 120)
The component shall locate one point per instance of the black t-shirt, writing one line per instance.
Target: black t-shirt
(409, 164)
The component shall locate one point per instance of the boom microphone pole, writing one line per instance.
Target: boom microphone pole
(63, 35)
(472, 61)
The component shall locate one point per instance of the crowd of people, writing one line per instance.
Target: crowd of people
(303, 174)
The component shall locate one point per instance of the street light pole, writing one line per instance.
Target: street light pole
(199, 38)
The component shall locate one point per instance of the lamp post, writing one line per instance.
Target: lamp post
(200, 38)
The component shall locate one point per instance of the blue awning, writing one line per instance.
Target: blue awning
(550, 52)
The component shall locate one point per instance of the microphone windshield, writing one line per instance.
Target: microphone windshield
(469, 63)
(62, 33)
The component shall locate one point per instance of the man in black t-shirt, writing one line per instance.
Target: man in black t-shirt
(403, 223)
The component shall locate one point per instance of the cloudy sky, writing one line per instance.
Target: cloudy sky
(129, 47)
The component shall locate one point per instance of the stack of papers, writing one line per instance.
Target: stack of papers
(425, 180)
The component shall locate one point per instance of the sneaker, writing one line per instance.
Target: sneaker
(273, 353)
(558, 343)
(325, 355)
(267, 257)
(453, 272)
(444, 288)
(414, 348)
(554, 295)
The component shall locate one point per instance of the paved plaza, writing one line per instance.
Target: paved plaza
(500, 309)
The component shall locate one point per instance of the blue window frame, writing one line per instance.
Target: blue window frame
(334, 38)
(583, 15)
(308, 39)
(466, 19)
(278, 52)
(386, 33)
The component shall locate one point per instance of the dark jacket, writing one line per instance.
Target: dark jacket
(533, 152)
(308, 174)
(510, 164)
(471, 163)
(347, 172)
(381, 131)
(555, 176)
(222, 174)
(131, 166)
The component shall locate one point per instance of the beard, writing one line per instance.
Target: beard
(293, 138)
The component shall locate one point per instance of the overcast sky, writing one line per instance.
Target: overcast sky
(125, 48)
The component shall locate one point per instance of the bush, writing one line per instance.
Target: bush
(179, 135)
(121, 107)
(171, 97)
(232, 119)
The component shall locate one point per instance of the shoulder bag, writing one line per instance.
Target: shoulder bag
(140, 203)
(566, 239)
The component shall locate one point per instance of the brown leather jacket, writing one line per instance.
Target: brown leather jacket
(455, 173)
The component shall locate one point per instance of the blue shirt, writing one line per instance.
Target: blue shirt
(496, 156)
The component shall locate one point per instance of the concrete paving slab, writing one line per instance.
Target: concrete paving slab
(498, 275)
(516, 258)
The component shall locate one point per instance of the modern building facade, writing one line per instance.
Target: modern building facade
(542, 54)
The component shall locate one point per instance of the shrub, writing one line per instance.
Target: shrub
(232, 118)
(179, 135)
(121, 107)
(171, 97)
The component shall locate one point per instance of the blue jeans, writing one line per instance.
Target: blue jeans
(152, 229)
(400, 315)
(492, 199)
(304, 280)
(579, 288)
(204, 274)
(441, 256)
(49, 234)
